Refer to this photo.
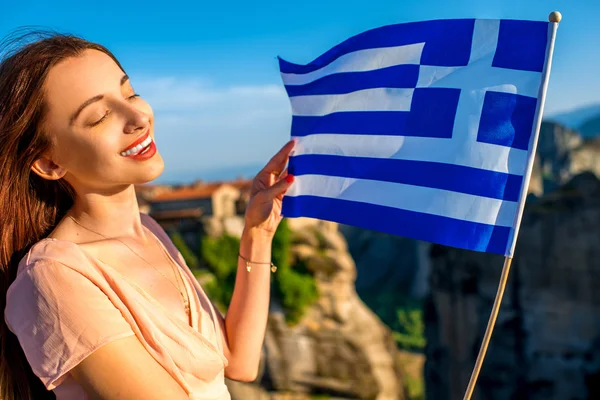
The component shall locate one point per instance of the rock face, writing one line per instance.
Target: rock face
(562, 154)
(395, 259)
(546, 343)
(553, 155)
(339, 347)
(586, 157)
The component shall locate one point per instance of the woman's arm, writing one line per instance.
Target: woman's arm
(123, 369)
(245, 323)
(246, 319)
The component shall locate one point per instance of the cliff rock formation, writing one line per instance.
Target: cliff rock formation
(546, 344)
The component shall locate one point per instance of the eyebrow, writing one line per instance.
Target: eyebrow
(94, 99)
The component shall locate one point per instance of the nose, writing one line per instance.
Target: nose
(136, 120)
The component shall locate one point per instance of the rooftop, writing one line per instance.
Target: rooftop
(197, 190)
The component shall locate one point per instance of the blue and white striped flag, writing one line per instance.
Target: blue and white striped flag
(425, 130)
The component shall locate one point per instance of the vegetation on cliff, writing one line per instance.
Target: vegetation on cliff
(410, 329)
(403, 314)
(294, 285)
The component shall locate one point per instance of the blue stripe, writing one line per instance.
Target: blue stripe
(456, 178)
(432, 228)
(353, 122)
(447, 43)
(399, 76)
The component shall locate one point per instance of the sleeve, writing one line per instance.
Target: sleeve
(60, 317)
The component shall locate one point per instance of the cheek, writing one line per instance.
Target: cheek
(88, 150)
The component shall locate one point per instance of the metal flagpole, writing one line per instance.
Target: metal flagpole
(554, 17)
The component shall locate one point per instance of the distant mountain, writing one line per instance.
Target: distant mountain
(591, 127)
(575, 118)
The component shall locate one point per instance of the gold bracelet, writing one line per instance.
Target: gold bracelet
(249, 266)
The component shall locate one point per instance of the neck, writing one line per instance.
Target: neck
(112, 215)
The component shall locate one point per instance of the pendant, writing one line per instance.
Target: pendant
(188, 314)
(248, 267)
(273, 268)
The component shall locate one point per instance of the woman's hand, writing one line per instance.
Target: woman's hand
(263, 213)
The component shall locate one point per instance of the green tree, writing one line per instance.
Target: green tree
(294, 285)
(297, 291)
(221, 258)
(188, 255)
(281, 245)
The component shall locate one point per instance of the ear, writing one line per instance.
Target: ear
(47, 169)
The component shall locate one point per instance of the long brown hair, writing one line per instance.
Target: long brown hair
(30, 207)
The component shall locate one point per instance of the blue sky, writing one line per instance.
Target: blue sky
(210, 71)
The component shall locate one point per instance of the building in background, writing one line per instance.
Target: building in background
(145, 194)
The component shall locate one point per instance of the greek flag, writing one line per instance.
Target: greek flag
(424, 130)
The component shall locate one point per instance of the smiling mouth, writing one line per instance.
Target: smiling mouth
(138, 149)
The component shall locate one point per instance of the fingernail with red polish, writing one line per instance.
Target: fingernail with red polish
(289, 178)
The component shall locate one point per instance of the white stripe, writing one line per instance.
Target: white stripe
(361, 60)
(380, 99)
(439, 202)
(477, 155)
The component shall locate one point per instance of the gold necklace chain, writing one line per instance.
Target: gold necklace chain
(184, 300)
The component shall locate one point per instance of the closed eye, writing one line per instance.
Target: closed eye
(106, 114)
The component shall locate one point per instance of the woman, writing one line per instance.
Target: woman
(98, 302)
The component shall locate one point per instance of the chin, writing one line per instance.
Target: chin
(151, 170)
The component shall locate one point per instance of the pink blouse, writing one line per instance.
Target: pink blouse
(65, 303)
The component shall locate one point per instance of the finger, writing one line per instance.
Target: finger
(276, 177)
(279, 174)
(280, 187)
(277, 163)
